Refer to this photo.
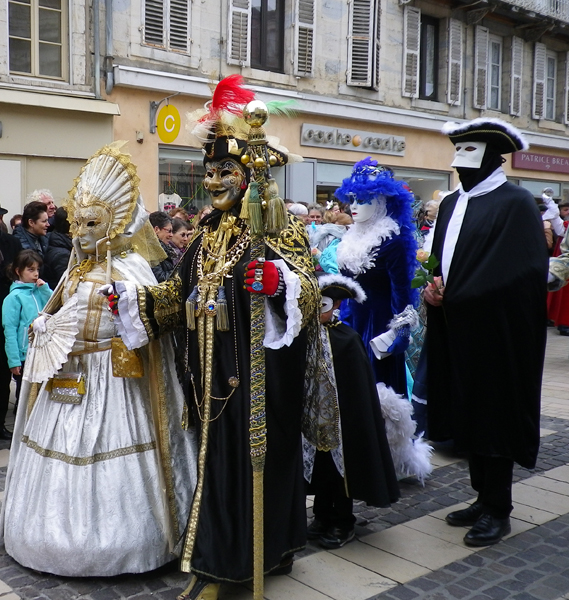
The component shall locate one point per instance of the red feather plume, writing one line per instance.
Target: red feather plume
(230, 95)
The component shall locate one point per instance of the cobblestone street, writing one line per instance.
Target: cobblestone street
(406, 552)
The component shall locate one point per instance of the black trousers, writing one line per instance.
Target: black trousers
(491, 477)
(331, 504)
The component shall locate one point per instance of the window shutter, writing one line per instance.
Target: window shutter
(480, 66)
(516, 76)
(179, 24)
(538, 109)
(360, 43)
(239, 23)
(304, 37)
(411, 43)
(567, 88)
(377, 47)
(154, 22)
(455, 44)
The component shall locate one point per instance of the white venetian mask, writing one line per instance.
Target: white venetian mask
(468, 154)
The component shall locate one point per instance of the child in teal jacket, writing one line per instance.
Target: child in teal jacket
(28, 295)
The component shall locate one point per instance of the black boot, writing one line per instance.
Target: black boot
(465, 517)
(488, 530)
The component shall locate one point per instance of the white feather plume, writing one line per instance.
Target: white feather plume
(411, 455)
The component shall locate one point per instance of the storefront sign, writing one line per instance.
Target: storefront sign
(540, 162)
(168, 123)
(369, 142)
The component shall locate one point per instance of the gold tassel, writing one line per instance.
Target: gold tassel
(81, 387)
(255, 210)
(276, 215)
(221, 310)
(191, 309)
(244, 214)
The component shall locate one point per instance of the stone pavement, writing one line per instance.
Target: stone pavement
(405, 552)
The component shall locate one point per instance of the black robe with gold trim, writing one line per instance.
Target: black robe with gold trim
(223, 547)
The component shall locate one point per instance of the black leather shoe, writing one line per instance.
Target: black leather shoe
(488, 530)
(5, 434)
(466, 517)
(336, 537)
(285, 567)
(316, 529)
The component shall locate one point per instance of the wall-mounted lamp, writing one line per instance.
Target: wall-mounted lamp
(154, 106)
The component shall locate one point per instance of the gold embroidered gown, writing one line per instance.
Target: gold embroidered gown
(102, 487)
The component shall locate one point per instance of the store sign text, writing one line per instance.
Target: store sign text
(358, 141)
(540, 162)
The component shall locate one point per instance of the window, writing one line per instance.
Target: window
(166, 24)
(494, 85)
(304, 28)
(517, 69)
(256, 34)
(267, 35)
(429, 58)
(363, 43)
(455, 50)
(550, 86)
(36, 34)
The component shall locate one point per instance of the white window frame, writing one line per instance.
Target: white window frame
(172, 26)
(549, 111)
(239, 33)
(35, 41)
(494, 40)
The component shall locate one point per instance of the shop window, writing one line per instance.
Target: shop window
(36, 37)
(363, 43)
(181, 175)
(256, 34)
(167, 23)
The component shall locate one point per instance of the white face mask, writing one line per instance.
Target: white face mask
(327, 304)
(362, 212)
(468, 154)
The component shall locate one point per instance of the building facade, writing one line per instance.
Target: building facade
(52, 116)
(369, 77)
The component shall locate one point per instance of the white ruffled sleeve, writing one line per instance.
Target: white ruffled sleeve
(129, 324)
(279, 332)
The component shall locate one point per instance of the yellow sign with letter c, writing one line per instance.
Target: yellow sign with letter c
(168, 123)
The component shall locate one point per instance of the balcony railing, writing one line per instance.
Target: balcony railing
(555, 9)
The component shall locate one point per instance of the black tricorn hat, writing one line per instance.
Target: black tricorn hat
(223, 146)
(501, 137)
(340, 287)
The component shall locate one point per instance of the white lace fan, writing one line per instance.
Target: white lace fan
(51, 347)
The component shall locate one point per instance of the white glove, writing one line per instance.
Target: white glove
(106, 290)
(39, 325)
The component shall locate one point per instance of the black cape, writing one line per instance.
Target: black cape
(369, 471)
(486, 344)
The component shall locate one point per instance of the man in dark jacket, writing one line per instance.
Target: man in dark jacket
(487, 323)
(10, 246)
(57, 255)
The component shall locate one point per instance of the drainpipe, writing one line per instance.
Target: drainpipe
(109, 46)
(97, 49)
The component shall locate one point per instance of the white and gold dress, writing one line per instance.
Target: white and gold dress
(102, 486)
